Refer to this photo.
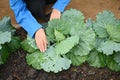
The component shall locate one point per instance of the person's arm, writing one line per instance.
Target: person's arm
(58, 7)
(23, 17)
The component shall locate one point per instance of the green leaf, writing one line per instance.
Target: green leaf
(58, 35)
(76, 59)
(86, 42)
(50, 53)
(114, 32)
(35, 59)
(97, 59)
(4, 54)
(109, 47)
(49, 61)
(66, 45)
(77, 28)
(14, 44)
(57, 64)
(99, 41)
(100, 31)
(0, 46)
(117, 58)
(81, 49)
(59, 25)
(54, 62)
(75, 19)
(50, 30)
(5, 37)
(111, 64)
(72, 16)
(5, 25)
(7, 43)
(64, 25)
(102, 20)
(29, 45)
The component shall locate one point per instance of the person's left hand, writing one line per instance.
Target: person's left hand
(55, 14)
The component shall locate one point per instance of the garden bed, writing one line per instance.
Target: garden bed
(17, 68)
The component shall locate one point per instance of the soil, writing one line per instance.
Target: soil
(16, 67)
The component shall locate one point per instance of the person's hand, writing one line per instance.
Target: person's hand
(41, 40)
(55, 14)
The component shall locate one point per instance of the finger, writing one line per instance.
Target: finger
(55, 17)
(44, 47)
(51, 16)
(40, 45)
(45, 44)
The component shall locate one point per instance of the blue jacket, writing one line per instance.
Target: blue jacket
(24, 17)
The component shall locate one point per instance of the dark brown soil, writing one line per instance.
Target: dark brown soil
(16, 67)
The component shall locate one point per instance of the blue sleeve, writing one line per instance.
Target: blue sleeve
(24, 17)
(61, 4)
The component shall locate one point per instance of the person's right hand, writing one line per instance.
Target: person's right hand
(41, 40)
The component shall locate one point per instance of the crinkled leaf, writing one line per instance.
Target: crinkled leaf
(117, 58)
(111, 64)
(100, 31)
(86, 42)
(99, 41)
(54, 62)
(76, 28)
(57, 64)
(8, 48)
(58, 35)
(88, 36)
(14, 44)
(32, 42)
(4, 37)
(5, 25)
(29, 44)
(81, 49)
(35, 59)
(48, 61)
(63, 27)
(27, 47)
(50, 53)
(97, 59)
(59, 25)
(73, 16)
(66, 45)
(50, 30)
(102, 20)
(109, 47)
(70, 19)
(76, 59)
(114, 32)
